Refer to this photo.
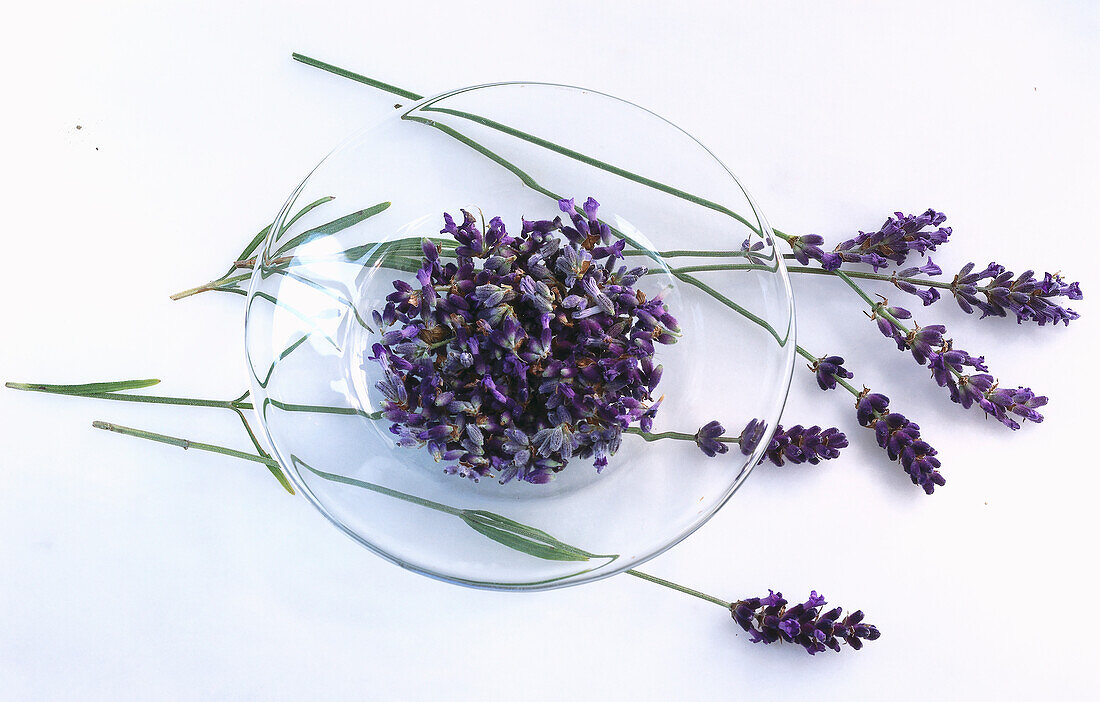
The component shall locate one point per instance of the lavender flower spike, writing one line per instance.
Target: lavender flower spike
(795, 445)
(901, 439)
(805, 445)
(894, 240)
(769, 619)
(1027, 297)
(951, 369)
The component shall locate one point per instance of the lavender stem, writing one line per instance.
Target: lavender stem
(679, 588)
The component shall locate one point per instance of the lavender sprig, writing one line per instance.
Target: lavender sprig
(1027, 297)
(795, 445)
(769, 619)
(965, 376)
(893, 241)
(993, 291)
(901, 439)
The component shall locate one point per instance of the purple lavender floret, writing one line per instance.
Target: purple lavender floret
(522, 353)
(769, 619)
(996, 292)
(894, 240)
(751, 250)
(922, 340)
(927, 296)
(1002, 403)
(886, 326)
(795, 445)
(808, 246)
(707, 439)
(751, 436)
(901, 439)
(929, 268)
(828, 369)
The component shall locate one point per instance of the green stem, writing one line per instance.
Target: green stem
(320, 409)
(110, 391)
(863, 275)
(185, 443)
(588, 160)
(691, 280)
(679, 588)
(879, 308)
(652, 436)
(507, 532)
(152, 399)
(408, 94)
(430, 504)
(688, 253)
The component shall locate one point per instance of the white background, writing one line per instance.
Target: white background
(136, 571)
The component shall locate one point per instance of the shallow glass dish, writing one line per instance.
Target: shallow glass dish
(512, 150)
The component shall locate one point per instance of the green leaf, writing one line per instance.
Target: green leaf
(283, 480)
(251, 248)
(85, 388)
(332, 227)
(518, 543)
(379, 250)
(516, 536)
(305, 210)
(259, 238)
(343, 73)
(521, 537)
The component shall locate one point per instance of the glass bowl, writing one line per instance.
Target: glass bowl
(512, 150)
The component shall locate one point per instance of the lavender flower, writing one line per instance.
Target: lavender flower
(751, 250)
(797, 445)
(901, 438)
(894, 240)
(1027, 297)
(751, 435)
(523, 353)
(809, 246)
(805, 445)
(828, 369)
(769, 619)
(881, 316)
(707, 439)
(1002, 403)
(903, 280)
(965, 376)
(921, 341)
